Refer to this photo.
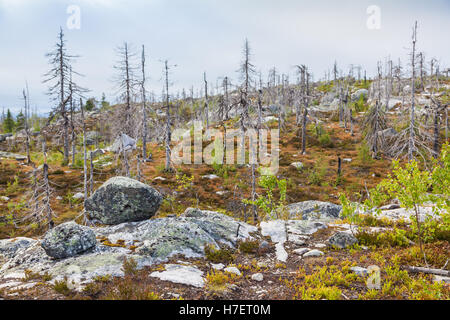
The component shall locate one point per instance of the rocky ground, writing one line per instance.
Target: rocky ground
(204, 255)
(146, 244)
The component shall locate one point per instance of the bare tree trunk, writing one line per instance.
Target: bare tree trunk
(206, 106)
(168, 132)
(411, 146)
(27, 131)
(84, 154)
(47, 195)
(144, 110)
(436, 134)
(91, 178)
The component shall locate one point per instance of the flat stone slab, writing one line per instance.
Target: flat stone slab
(181, 274)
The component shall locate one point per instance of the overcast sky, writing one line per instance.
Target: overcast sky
(208, 35)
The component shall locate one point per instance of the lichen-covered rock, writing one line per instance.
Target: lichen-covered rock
(361, 92)
(147, 242)
(186, 235)
(342, 240)
(314, 210)
(67, 240)
(122, 199)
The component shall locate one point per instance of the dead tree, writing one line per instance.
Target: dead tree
(247, 71)
(85, 182)
(126, 81)
(167, 106)
(41, 213)
(58, 76)
(27, 131)
(374, 122)
(144, 108)
(206, 105)
(414, 140)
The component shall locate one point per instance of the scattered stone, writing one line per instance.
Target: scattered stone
(361, 92)
(280, 252)
(4, 198)
(258, 277)
(78, 195)
(181, 274)
(123, 142)
(261, 264)
(67, 240)
(264, 245)
(160, 179)
(9, 155)
(313, 253)
(121, 199)
(314, 210)
(342, 240)
(301, 251)
(210, 177)
(320, 245)
(362, 272)
(218, 266)
(297, 165)
(348, 160)
(233, 270)
(221, 193)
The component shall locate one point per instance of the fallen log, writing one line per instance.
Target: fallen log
(439, 272)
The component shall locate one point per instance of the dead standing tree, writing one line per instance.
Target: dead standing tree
(414, 140)
(145, 156)
(247, 70)
(41, 213)
(58, 76)
(126, 82)
(375, 121)
(26, 98)
(166, 97)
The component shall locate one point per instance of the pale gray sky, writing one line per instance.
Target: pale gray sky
(207, 35)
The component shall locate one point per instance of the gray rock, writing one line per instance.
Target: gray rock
(9, 155)
(342, 240)
(297, 165)
(123, 142)
(258, 277)
(122, 199)
(210, 177)
(233, 270)
(264, 245)
(314, 210)
(218, 266)
(68, 240)
(155, 241)
(78, 195)
(301, 251)
(313, 253)
(97, 153)
(361, 92)
(362, 272)
(4, 198)
(92, 137)
(181, 274)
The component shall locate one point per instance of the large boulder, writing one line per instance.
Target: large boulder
(67, 240)
(314, 210)
(122, 199)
